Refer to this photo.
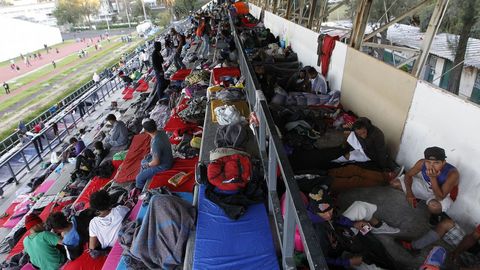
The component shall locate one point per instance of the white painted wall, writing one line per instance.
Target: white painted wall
(304, 43)
(24, 37)
(438, 118)
(467, 81)
(438, 71)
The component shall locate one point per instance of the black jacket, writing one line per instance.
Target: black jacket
(157, 61)
(375, 147)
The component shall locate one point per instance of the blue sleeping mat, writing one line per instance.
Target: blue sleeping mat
(222, 243)
(187, 196)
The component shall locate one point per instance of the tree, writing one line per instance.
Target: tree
(75, 11)
(137, 10)
(462, 24)
(88, 8)
(66, 13)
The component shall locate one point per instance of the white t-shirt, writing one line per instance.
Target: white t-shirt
(106, 228)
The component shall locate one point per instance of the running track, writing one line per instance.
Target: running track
(6, 73)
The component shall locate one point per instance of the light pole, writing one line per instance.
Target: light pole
(144, 11)
(126, 11)
(108, 24)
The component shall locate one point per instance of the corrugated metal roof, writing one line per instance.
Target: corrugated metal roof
(442, 45)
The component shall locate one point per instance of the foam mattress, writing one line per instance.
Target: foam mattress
(222, 243)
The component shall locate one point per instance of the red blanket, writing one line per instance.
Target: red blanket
(180, 75)
(131, 165)
(129, 94)
(142, 86)
(180, 165)
(85, 262)
(126, 90)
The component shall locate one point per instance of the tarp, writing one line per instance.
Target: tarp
(139, 147)
(222, 243)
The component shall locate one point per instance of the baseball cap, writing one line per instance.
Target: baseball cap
(435, 153)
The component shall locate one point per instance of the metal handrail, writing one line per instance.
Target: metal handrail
(275, 157)
(96, 90)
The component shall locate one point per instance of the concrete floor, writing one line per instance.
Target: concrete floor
(393, 208)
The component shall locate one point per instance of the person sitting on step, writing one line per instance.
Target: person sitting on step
(467, 246)
(431, 179)
(41, 245)
(118, 135)
(349, 232)
(104, 228)
(366, 162)
(68, 230)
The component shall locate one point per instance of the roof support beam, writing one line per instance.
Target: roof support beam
(360, 23)
(289, 8)
(433, 25)
(389, 47)
(275, 6)
(397, 19)
(312, 14)
(408, 60)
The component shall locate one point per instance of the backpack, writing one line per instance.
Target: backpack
(118, 195)
(104, 170)
(230, 173)
(234, 135)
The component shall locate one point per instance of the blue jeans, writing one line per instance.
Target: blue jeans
(205, 47)
(146, 174)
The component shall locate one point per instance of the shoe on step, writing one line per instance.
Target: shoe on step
(385, 229)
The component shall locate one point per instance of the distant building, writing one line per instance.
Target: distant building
(25, 37)
(440, 60)
(30, 10)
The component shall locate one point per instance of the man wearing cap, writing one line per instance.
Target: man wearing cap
(349, 232)
(41, 245)
(160, 157)
(431, 179)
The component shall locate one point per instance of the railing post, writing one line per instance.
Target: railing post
(12, 172)
(66, 126)
(73, 119)
(272, 171)
(25, 159)
(289, 224)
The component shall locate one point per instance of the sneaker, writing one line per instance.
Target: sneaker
(385, 229)
(407, 245)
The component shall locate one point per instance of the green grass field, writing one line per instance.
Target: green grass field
(46, 70)
(71, 87)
